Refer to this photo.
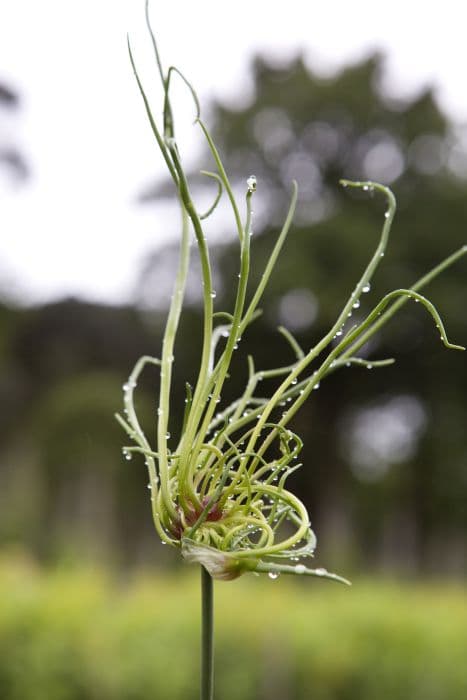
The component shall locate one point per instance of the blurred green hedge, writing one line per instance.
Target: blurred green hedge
(71, 635)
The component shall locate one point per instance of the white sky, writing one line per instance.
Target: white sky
(75, 228)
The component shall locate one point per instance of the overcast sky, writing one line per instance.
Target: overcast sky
(75, 228)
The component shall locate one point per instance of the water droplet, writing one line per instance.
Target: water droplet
(149, 486)
(339, 333)
(300, 569)
(321, 572)
(369, 366)
(167, 436)
(366, 288)
(381, 255)
(125, 387)
(294, 381)
(316, 386)
(213, 294)
(251, 182)
(387, 215)
(160, 411)
(225, 334)
(273, 575)
(356, 304)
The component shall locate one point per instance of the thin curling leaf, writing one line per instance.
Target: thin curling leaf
(188, 402)
(140, 450)
(224, 178)
(223, 314)
(218, 333)
(152, 121)
(272, 258)
(213, 206)
(153, 41)
(360, 362)
(397, 304)
(409, 294)
(167, 107)
(292, 342)
(273, 570)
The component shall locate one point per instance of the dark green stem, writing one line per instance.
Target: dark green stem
(207, 633)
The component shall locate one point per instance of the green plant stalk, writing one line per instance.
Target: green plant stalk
(207, 636)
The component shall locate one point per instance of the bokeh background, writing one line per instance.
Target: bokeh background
(92, 606)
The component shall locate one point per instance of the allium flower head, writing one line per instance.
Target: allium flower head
(219, 491)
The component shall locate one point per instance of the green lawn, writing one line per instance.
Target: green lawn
(81, 635)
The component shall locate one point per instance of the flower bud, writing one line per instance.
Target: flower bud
(223, 566)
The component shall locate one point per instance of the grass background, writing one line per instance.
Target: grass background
(82, 635)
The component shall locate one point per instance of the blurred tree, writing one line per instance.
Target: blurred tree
(65, 489)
